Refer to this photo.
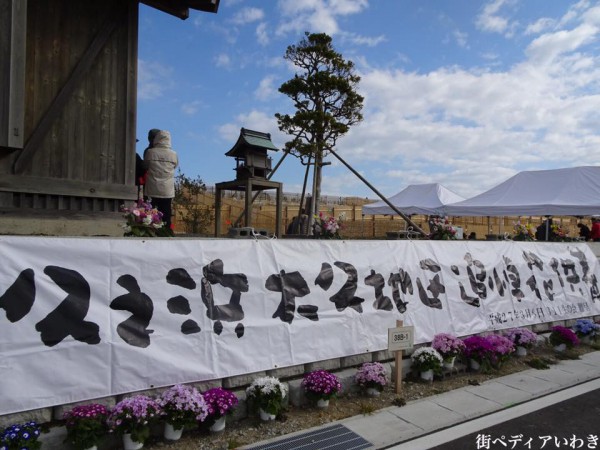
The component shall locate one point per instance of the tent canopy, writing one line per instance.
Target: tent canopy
(572, 191)
(428, 199)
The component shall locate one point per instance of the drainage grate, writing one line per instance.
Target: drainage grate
(335, 437)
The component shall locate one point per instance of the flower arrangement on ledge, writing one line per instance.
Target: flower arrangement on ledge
(134, 415)
(521, 337)
(220, 402)
(371, 376)
(426, 358)
(142, 220)
(321, 385)
(585, 328)
(86, 425)
(447, 345)
(21, 436)
(268, 394)
(562, 335)
(523, 232)
(327, 227)
(558, 234)
(441, 229)
(182, 406)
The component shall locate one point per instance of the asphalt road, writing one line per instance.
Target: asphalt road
(570, 424)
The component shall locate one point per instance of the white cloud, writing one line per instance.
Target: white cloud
(254, 120)
(549, 46)
(539, 26)
(261, 33)
(316, 15)
(154, 79)
(492, 21)
(265, 90)
(223, 60)
(472, 129)
(190, 108)
(248, 15)
(369, 41)
(461, 38)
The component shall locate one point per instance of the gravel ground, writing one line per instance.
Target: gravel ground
(252, 430)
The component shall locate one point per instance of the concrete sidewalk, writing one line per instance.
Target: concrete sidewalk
(395, 425)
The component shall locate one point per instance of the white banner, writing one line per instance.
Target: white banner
(88, 318)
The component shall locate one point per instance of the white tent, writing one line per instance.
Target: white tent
(561, 192)
(428, 199)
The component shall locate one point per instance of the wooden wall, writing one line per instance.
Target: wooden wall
(79, 107)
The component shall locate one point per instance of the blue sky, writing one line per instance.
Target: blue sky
(464, 93)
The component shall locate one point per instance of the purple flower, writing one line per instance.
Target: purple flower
(183, 405)
(562, 335)
(219, 402)
(321, 384)
(521, 337)
(448, 345)
(132, 414)
(371, 375)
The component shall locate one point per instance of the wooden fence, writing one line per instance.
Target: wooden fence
(355, 225)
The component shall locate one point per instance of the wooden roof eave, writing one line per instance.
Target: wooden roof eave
(181, 8)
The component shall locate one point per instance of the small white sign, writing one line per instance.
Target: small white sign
(400, 338)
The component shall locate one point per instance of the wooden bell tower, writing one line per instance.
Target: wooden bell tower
(253, 169)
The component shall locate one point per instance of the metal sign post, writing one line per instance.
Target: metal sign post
(400, 339)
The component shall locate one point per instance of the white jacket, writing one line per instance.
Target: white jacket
(161, 161)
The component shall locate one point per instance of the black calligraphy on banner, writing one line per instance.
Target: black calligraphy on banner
(68, 317)
(474, 279)
(435, 286)
(179, 304)
(18, 299)
(377, 281)
(291, 285)
(213, 273)
(400, 281)
(134, 330)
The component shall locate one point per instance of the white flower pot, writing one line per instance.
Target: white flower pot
(219, 425)
(93, 447)
(521, 351)
(427, 375)
(322, 403)
(129, 444)
(449, 363)
(560, 348)
(171, 433)
(373, 392)
(586, 339)
(474, 364)
(265, 416)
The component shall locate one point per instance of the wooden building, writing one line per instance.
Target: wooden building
(68, 93)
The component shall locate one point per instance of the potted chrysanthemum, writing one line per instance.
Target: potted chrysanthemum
(502, 348)
(21, 436)
(371, 377)
(132, 417)
(479, 352)
(86, 425)
(181, 406)
(427, 361)
(522, 338)
(267, 395)
(221, 403)
(449, 347)
(320, 386)
(562, 338)
(586, 330)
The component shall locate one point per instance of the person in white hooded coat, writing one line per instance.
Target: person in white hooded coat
(160, 161)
